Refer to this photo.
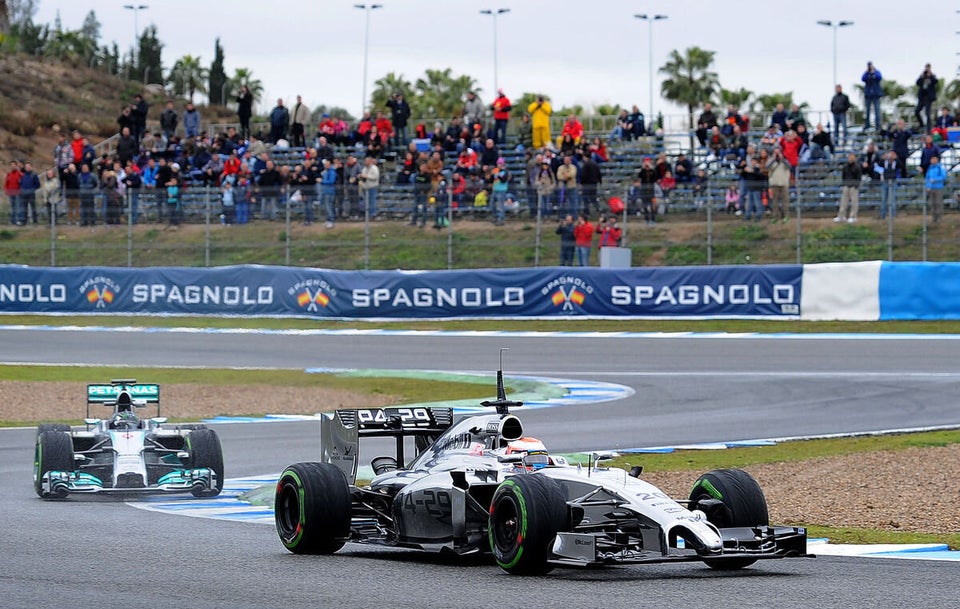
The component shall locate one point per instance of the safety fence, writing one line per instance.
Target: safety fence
(289, 226)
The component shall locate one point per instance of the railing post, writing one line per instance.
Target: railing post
(286, 232)
(206, 241)
(536, 251)
(129, 228)
(366, 229)
(709, 226)
(924, 234)
(799, 206)
(450, 228)
(53, 229)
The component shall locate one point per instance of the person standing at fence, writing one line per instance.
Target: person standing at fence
(328, 192)
(173, 202)
(753, 180)
(269, 182)
(29, 185)
(935, 180)
(245, 110)
(850, 190)
(568, 240)
(779, 172)
(540, 112)
(583, 237)
(591, 177)
(11, 187)
(872, 92)
(50, 194)
(889, 174)
(648, 181)
(567, 174)
(370, 185)
(87, 184)
(351, 180)
(926, 95)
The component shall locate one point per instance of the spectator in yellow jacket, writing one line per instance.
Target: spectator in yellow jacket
(540, 112)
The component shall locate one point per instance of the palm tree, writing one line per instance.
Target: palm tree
(384, 88)
(244, 76)
(740, 98)
(188, 76)
(440, 94)
(689, 81)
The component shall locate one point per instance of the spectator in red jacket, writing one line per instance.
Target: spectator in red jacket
(790, 144)
(572, 127)
(583, 235)
(384, 128)
(11, 187)
(610, 233)
(501, 114)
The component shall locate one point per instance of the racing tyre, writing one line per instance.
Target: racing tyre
(54, 453)
(526, 513)
(312, 508)
(42, 427)
(204, 448)
(743, 502)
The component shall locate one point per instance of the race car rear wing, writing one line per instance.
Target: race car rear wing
(107, 394)
(341, 430)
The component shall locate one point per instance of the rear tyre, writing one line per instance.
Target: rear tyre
(54, 453)
(205, 452)
(312, 508)
(743, 502)
(526, 513)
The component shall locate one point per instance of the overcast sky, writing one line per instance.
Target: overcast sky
(576, 52)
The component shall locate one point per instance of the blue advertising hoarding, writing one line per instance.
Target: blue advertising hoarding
(683, 292)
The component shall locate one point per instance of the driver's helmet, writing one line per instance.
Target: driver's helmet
(536, 455)
(124, 420)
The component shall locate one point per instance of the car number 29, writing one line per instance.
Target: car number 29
(436, 503)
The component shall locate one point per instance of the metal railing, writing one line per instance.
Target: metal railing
(278, 227)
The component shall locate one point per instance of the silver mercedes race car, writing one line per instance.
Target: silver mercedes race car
(479, 484)
(124, 453)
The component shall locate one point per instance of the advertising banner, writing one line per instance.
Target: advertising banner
(682, 292)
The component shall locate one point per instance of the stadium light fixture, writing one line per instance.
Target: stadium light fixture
(366, 8)
(650, 19)
(495, 13)
(835, 26)
(136, 8)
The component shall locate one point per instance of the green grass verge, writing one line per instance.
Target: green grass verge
(407, 390)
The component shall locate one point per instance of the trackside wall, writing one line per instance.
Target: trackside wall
(855, 291)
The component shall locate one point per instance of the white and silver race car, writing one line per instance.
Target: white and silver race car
(126, 454)
(479, 484)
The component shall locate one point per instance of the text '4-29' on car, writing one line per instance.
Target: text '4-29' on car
(478, 484)
(126, 454)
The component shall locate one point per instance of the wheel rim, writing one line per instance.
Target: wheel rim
(506, 529)
(288, 511)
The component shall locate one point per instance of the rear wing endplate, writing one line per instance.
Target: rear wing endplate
(340, 431)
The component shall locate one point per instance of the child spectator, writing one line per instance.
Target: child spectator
(733, 199)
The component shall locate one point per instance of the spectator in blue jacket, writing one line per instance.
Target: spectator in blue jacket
(872, 92)
(929, 151)
(935, 181)
(191, 120)
(29, 185)
(900, 136)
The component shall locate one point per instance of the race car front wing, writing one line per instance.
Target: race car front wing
(757, 543)
(60, 484)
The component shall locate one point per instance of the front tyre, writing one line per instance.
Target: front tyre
(312, 508)
(743, 506)
(526, 513)
(205, 452)
(53, 453)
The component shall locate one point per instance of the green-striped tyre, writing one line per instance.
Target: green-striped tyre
(205, 452)
(312, 508)
(527, 512)
(53, 453)
(743, 502)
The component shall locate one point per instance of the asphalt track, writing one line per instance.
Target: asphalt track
(90, 553)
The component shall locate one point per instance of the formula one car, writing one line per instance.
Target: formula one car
(125, 454)
(480, 485)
